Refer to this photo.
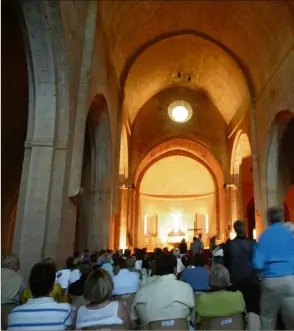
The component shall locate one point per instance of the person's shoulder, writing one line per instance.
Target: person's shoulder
(183, 286)
(64, 306)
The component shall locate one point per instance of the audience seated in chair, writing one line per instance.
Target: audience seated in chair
(42, 312)
(100, 312)
(11, 287)
(126, 283)
(57, 292)
(76, 289)
(220, 309)
(164, 303)
(197, 277)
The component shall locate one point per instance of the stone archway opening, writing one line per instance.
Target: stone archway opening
(94, 202)
(241, 186)
(177, 199)
(278, 166)
(14, 117)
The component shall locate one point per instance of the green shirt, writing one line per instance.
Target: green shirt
(219, 304)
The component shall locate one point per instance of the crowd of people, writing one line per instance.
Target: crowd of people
(251, 287)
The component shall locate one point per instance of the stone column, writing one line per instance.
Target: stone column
(96, 219)
(33, 206)
(123, 217)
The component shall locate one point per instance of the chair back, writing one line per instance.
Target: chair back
(171, 324)
(78, 301)
(232, 322)
(127, 299)
(6, 309)
(105, 327)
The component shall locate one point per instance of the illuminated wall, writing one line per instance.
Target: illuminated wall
(175, 192)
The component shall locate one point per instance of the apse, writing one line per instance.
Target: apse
(176, 200)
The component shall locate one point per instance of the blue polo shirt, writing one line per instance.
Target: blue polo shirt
(274, 254)
(197, 277)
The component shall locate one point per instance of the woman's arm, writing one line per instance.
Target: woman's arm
(124, 315)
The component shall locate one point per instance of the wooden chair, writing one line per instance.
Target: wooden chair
(105, 327)
(232, 322)
(6, 309)
(171, 324)
(127, 299)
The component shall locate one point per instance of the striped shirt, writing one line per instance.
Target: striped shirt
(163, 298)
(42, 314)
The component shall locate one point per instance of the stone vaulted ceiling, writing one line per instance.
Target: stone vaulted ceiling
(150, 42)
(177, 175)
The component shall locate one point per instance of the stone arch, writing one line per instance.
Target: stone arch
(99, 196)
(272, 188)
(47, 132)
(202, 154)
(241, 151)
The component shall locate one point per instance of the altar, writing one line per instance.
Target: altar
(168, 232)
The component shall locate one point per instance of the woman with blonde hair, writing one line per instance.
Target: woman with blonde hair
(101, 311)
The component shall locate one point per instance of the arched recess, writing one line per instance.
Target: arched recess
(241, 186)
(47, 132)
(95, 202)
(191, 193)
(278, 162)
(202, 154)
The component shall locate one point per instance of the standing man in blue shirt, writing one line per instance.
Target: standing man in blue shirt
(274, 260)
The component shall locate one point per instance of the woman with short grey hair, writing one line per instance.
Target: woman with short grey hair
(219, 302)
(219, 277)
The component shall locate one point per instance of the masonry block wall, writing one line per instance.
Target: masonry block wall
(153, 125)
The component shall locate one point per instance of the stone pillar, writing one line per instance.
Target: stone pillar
(31, 221)
(96, 219)
(123, 217)
(106, 219)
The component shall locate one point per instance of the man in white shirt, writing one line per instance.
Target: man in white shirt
(125, 281)
(165, 299)
(42, 312)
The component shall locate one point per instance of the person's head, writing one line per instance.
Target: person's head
(194, 238)
(166, 264)
(186, 261)
(110, 252)
(183, 241)
(275, 215)
(98, 287)
(76, 255)
(139, 254)
(127, 253)
(86, 252)
(119, 264)
(69, 263)
(198, 260)
(106, 258)
(51, 261)
(165, 250)
(93, 258)
(219, 277)
(239, 227)
(85, 269)
(176, 252)
(103, 251)
(42, 279)
(130, 262)
(11, 262)
(200, 236)
(157, 252)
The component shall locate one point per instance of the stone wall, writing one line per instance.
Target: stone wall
(153, 126)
